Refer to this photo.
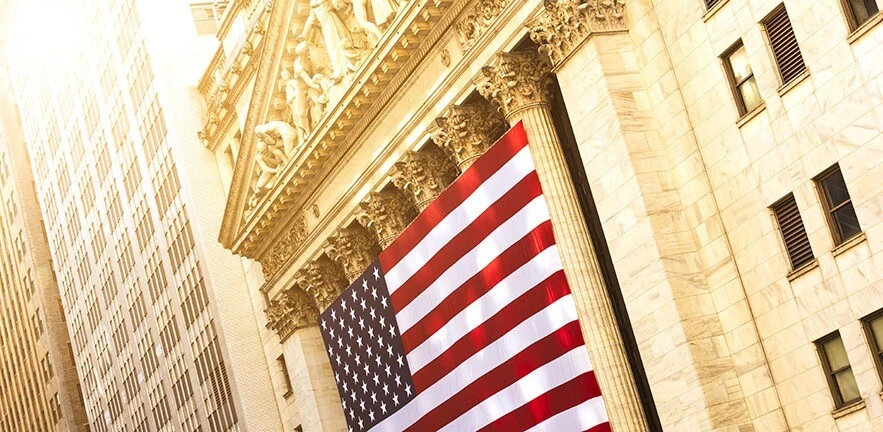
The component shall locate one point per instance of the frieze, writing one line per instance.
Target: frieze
(284, 250)
(565, 24)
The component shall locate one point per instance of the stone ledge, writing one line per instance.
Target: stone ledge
(711, 12)
(849, 409)
(849, 244)
(802, 270)
(865, 28)
(785, 88)
(750, 115)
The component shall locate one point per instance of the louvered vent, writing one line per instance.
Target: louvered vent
(711, 3)
(784, 44)
(793, 232)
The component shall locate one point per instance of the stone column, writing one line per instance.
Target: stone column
(425, 174)
(387, 213)
(355, 248)
(293, 316)
(520, 84)
(466, 131)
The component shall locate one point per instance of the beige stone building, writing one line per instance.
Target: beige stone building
(712, 169)
(132, 204)
(39, 389)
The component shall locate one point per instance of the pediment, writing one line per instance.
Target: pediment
(302, 157)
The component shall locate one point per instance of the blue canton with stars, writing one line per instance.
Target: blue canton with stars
(366, 351)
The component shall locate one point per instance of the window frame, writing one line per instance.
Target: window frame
(833, 387)
(876, 351)
(829, 211)
(852, 23)
(731, 78)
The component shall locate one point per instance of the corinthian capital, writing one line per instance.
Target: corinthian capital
(292, 310)
(565, 24)
(323, 279)
(516, 81)
(354, 248)
(466, 131)
(425, 174)
(387, 213)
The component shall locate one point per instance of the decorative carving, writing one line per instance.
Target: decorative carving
(387, 213)
(354, 248)
(515, 81)
(466, 131)
(292, 310)
(478, 20)
(277, 143)
(565, 24)
(285, 249)
(337, 39)
(323, 279)
(446, 57)
(425, 174)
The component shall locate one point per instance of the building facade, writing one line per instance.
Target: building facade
(39, 389)
(131, 203)
(711, 168)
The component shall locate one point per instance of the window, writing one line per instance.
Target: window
(873, 325)
(784, 44)
(838, 370)
(207, 17)
(838, 205)
(742, 79)
(859, 12)
(287, 379)
(793, 232)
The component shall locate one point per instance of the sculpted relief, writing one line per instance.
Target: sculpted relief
(336, 37)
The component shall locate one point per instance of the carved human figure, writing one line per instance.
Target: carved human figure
(360, 11)
(298, 105)
(270, 160)
(276, 134)
(385, 10)
(335, 35)
(311, 87)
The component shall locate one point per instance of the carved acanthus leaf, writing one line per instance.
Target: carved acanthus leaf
(354, 248)
(292, 310)
(517, 80)
(425, 174)
(323, 279)
(387, 213)
(466, 131)
(565, 24)
(285, 249)
(478, 20)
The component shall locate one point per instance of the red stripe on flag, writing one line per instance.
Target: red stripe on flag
(603, 427)
(484, 281)
(482, 169)
(464, 241)
(525, 306)
(520, 365)
(555, 401)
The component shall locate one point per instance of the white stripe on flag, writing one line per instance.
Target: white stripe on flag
(478, 201)
(582, 417)
(508, 233)
(538, 326)
(545, 264)
(528, 388)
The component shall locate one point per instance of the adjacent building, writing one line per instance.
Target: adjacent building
(712, 169)
(39, 389)
(131, 205)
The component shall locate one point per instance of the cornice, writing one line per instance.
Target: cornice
(442, 30)
(409, 37)
(220, 96)
(269, 55)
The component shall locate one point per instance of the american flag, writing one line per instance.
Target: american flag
(466, 321)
